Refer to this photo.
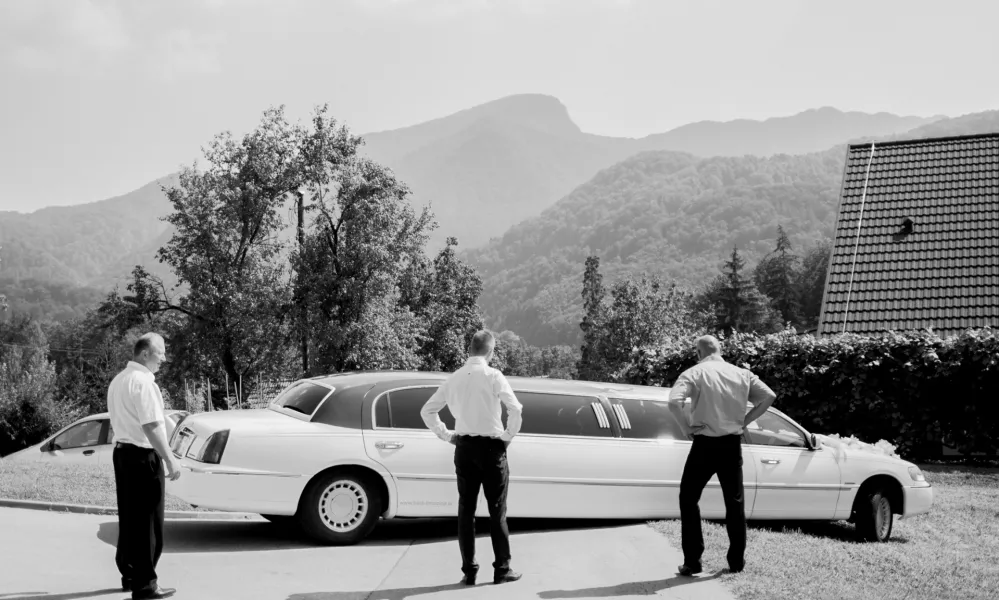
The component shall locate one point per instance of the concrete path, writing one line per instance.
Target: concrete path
(59, 556)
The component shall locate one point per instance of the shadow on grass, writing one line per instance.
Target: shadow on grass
(248, 536)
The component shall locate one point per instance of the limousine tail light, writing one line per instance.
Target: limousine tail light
(212, 451)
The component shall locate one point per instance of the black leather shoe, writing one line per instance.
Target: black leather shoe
(153, 593)
(506, 577)
(468, 580)
(688, 571)
(126, 585)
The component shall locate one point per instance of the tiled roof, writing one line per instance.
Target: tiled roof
(944, 273)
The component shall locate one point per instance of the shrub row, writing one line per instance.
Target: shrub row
(917, 391)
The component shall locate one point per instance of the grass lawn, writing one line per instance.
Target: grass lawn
(92, 485)
(952, 552)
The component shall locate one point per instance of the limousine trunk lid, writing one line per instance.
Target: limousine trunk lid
(246, 423)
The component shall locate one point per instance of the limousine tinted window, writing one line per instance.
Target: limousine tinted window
(646, 420)
(559, 414)
(303, 397)
(401, 409)
(772, 430)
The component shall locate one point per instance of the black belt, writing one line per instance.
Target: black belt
(127, 446)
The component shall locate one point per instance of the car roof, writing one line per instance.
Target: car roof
(533, 384)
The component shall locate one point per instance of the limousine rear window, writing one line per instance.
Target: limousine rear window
(646, 420)
(303, 397)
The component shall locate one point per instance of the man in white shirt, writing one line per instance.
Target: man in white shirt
(473, 393)
(136, 408)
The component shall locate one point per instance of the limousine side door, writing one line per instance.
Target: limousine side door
(562, 462)
(793, 482)
(421, 463)
(652, 453)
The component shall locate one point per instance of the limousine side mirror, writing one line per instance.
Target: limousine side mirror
(816, 444)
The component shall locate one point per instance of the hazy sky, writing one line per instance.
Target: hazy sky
(100, 97)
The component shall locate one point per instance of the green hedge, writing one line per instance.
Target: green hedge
(914, 390)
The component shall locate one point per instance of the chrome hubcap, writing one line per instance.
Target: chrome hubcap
(882, 517)
(343, 505)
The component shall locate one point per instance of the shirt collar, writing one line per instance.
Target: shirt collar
(476, 360)
(141, 368)
(717, 357)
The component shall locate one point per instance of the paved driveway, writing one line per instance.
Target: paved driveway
(60, 556)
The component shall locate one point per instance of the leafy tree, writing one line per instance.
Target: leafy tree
(812, 281)
(227, 253)
(28, 408)
(639, 312)
(777, 276)
(364, 237)
(445, 295)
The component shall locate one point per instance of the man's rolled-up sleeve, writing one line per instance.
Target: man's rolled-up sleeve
(514, 409)
(149, 407)
(430, 415)
(759, 392)
(682, 389)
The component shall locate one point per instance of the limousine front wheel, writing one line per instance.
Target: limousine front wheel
(340, 508)
(874, 516)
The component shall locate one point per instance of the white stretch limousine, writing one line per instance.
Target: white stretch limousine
(336, 453)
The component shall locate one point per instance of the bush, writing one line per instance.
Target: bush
(914, 390)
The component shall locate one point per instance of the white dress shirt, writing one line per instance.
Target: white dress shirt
(473, 393)
(134, 399)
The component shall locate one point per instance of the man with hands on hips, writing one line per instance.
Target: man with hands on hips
(474, 394)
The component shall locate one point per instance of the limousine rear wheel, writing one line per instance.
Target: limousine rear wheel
(874, 516)
(340, 508)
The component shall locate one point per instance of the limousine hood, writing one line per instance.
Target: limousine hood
(247, 422)
(853, 447)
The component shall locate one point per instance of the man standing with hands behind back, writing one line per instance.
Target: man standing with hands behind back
(718, 392)
(136, 409)
(473, 393)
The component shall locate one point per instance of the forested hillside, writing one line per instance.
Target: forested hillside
(664, 213)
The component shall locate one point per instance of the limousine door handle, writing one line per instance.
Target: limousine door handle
(770, 461)
(388, 445)
(88, 452)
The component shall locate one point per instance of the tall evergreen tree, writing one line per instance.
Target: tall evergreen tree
(777, 277)
(588, 366)
(740, 307)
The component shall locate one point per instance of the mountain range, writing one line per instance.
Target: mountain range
(491, 173)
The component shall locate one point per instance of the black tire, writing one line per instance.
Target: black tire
(339, 508)
(874, 517)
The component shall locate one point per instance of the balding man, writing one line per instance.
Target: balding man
(136, 408)
(474, 393)
(719, 393)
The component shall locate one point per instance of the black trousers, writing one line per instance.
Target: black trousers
(141, 488)
(481, 462)
(709, 456)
